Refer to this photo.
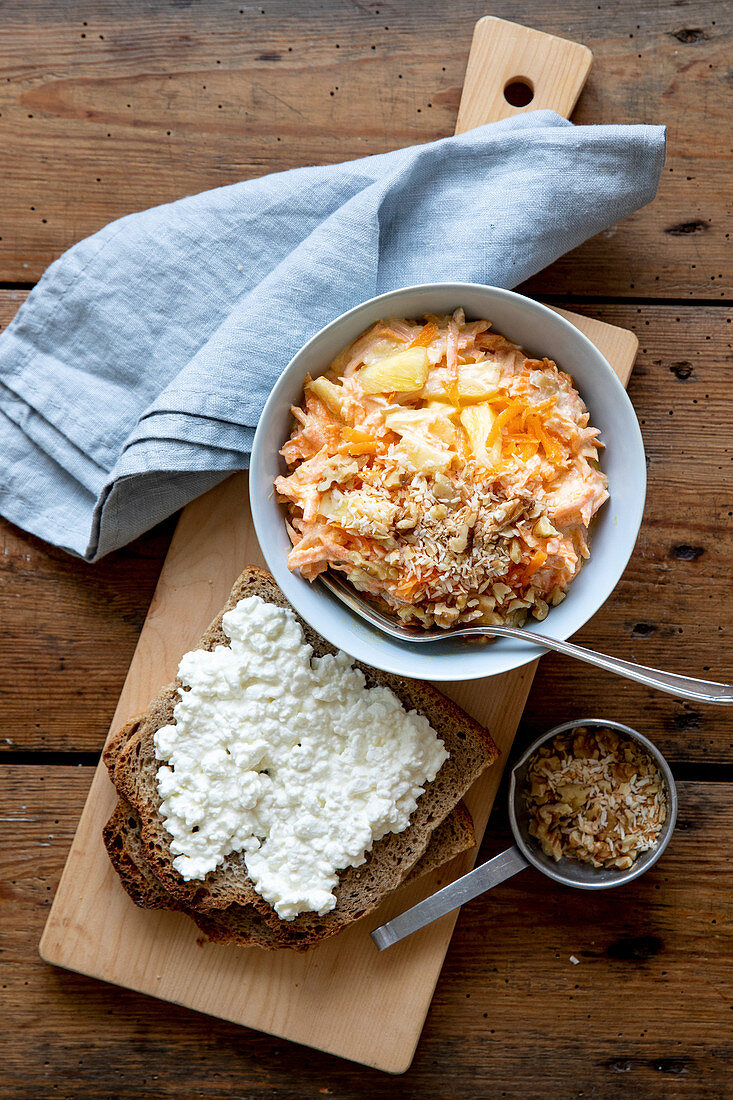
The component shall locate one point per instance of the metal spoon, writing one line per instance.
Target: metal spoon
(684, 687)
(527, 852)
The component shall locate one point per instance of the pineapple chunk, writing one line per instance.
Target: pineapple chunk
(330, 394)
(444, 430)
(441, 408)
(443, 417)
(406, 420)
(396, 373)
(478, 381)
(421, 420)
(477, 421)
(437, 386)
(418, 453)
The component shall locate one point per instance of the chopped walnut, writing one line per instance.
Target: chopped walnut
(595, 796)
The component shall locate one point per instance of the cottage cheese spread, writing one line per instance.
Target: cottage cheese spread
(287, 758)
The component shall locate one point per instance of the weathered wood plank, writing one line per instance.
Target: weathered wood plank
(73, 627)
(674, 604)
(149, 107)
(646, 1011)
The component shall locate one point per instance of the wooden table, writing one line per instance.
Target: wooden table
(109, 107)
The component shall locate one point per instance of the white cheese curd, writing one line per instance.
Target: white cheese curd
(287, 758)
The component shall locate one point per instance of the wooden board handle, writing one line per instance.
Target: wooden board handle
(551, 69)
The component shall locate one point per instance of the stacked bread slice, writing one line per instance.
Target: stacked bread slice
(225, 904)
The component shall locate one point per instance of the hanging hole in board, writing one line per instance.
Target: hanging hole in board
(519, 92)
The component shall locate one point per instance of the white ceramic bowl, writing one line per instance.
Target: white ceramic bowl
(541, 332)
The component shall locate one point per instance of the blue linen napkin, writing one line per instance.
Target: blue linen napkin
(132, 379)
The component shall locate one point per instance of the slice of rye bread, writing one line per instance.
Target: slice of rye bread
(242, 924)
(231, 925)
(122, 837)
(231, 883)
(360, 889)
(123, 840)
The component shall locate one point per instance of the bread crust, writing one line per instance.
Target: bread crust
(238, 924)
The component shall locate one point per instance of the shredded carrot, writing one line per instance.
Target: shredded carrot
(357, 435)
(463, 446)
(550, 447)
(536, 562)
(503, 418)
(407, 589)
(451, 361)
(529, 450)
(319, 409)
(425, 336)
(357, 448)
(357, 442)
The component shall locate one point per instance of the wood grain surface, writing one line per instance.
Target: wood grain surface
(153, 101)
(681, 388)
(643, 1013)
(647, 1010)
(548, 72)
(92, 920)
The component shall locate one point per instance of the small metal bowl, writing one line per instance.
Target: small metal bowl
(527, 852)
(571, 872)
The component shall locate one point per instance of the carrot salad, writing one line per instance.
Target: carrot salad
(450, 477)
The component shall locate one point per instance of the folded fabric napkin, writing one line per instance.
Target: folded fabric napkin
(133, 377)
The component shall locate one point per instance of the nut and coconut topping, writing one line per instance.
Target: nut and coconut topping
(596, 797)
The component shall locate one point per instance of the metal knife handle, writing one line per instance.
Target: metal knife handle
(469, 886)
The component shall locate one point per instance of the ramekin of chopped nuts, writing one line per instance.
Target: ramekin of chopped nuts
(593, 803)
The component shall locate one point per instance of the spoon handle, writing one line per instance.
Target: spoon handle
(685, 687)
(469, 886)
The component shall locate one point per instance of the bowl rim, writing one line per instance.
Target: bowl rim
(640, 865)
(516, 655)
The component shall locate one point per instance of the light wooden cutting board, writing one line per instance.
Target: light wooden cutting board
(344, 996)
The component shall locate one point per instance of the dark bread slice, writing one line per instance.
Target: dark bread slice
(218, 890)
(360, 889)
(452, 837)
(123, 840)
(122, 837)
(240, 924)
(118, 740)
